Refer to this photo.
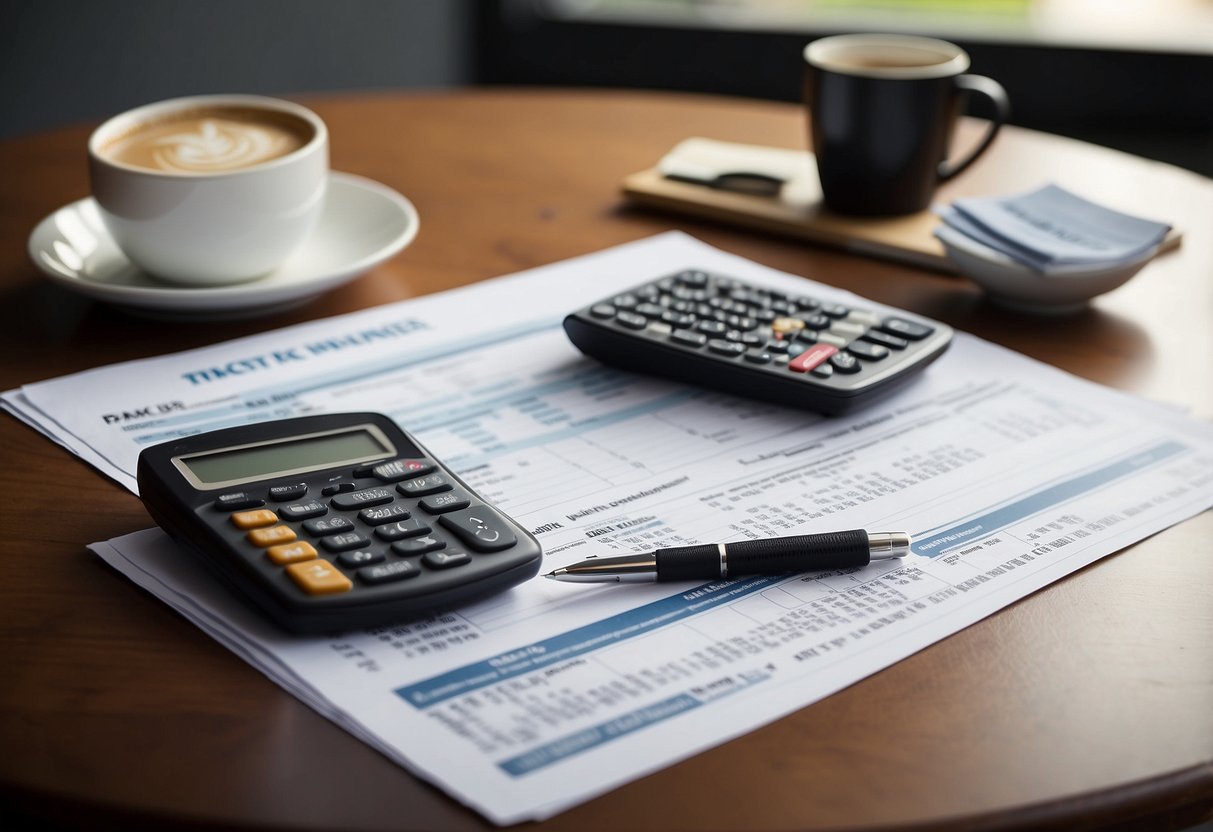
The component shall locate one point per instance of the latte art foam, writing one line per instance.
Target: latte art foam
(219, 145)
(208, 142)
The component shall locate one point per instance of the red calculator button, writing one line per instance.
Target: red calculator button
(811, 357)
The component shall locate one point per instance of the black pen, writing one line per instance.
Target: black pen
(774, 556)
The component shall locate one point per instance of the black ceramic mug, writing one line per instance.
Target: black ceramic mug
(883, 109)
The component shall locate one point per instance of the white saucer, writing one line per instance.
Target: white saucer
(363, 224)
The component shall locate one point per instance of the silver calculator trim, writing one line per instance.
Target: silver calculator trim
(199, 485)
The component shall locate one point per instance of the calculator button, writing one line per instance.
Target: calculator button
(787, 326)
(404, 528)
(678, 319)
(723, 347)
(362, 499)
(383, 514)
(885, 340)
(834, 310)
(361, 472)
(445, 560)
(403, 469)
(254, 519)
(830, 338)
(906, 329)
(450, 501)
(236, 500)
(421, 486)
(847, 330)
(868, 352)
(481, 528)
(602, 310)
(777, 347)
(343, 542)
(328, 525)
(302, 511)
(631, 320)
(688, 338)
(758, 357)
(817, 321)
(692, 278)
(271, 536)
(861, 317)
(811, 357)
(822, 371)
(282, 493)
(844, 362)
(319, 577)
(360, 557)
(296, 552)
(418, 546)
(338, 488)
(397, 570)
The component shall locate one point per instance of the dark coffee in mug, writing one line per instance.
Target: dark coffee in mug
(882, 110)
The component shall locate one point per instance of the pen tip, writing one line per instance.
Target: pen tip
(554, 574)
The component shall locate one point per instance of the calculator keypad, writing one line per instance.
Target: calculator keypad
(750, 340)
(697, 310)
(416, 521)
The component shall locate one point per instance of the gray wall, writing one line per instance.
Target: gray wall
(64, 61)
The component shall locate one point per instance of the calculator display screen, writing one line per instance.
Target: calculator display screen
(266, 460)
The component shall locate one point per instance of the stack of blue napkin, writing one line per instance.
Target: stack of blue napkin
(1054, 231)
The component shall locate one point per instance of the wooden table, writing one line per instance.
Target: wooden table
(1088, 703)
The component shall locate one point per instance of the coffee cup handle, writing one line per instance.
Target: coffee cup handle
(992, 90)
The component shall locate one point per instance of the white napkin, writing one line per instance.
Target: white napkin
(1051, 229)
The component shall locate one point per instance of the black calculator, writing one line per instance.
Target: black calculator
(720, 332)
(332, 522)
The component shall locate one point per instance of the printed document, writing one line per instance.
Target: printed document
(1008, 473)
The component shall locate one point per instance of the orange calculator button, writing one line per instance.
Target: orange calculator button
(319, 577)
(271, 536)
(296, 552)
(254, 519)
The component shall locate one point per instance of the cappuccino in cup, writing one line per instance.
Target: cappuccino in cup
(210, 190)
(208, 140)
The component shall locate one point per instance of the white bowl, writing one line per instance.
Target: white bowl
(1012, 284)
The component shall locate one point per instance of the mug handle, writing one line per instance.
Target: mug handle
(992, 90)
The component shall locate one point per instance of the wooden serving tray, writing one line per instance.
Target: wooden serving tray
(694, 179)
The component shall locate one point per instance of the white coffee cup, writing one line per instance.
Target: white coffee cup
(213, 189)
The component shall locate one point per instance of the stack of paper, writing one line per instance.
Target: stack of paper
(1052, 230)
(1008, 473)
